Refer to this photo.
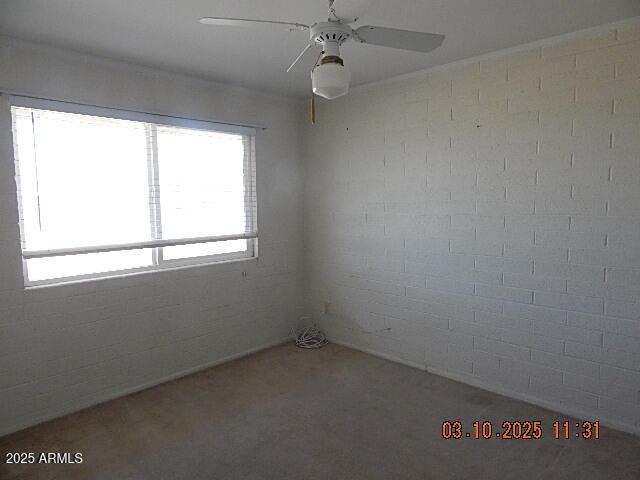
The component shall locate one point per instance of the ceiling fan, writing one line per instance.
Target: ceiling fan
(329, 76)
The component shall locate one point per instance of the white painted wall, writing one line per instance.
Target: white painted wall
(63, 348)
(487, 215)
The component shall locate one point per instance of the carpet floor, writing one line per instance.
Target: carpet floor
(334, 413)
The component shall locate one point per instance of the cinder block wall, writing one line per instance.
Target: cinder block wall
(64, 348)
(482, 220)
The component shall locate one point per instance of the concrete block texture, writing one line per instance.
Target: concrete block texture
(522, 241)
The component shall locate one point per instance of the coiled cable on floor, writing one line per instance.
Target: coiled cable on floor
(310, 337)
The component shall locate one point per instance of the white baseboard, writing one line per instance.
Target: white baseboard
(375, 353)
(555, 406)
(475, 382)
(128, 391)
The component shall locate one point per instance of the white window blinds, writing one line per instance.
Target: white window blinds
(107, 193)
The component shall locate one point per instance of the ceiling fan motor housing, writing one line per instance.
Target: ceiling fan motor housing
(330, 35)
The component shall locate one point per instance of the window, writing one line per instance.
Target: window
(104, 192)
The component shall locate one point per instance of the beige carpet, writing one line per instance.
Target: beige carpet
(330, 414)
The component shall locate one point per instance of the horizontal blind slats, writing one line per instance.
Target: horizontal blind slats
(112, 113)
(214, 206)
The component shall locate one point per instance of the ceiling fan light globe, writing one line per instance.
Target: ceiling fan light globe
(330, 80)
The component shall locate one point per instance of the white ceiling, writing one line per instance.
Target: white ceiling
(166, 33)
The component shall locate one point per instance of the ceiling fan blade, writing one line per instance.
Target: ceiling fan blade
(403, 39)
(249, 23)
(304, 54)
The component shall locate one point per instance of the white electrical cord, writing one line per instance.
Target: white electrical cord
(310, 337)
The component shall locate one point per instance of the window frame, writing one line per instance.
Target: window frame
(151, 121)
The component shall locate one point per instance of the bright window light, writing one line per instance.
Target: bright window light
(100, 195)
(202, 191)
